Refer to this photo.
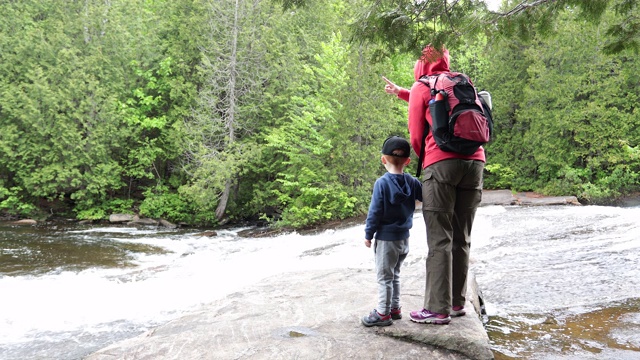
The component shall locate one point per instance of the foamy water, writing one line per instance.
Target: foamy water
(193, 271)
(537, 259)
(527, 260)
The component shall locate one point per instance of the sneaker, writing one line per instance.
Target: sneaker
(457, 311)
(396, 313)
(375, 319)
(425, 316)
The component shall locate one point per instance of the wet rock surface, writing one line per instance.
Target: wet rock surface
(308, 315)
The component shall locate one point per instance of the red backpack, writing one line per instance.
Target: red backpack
(461, 120)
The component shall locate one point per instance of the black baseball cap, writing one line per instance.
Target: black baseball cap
(396, 146)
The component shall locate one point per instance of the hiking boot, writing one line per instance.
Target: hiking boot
(425, 316)
(375, 319)
(396, 313)
(457, 311)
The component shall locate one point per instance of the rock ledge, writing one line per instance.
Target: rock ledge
(309, 315)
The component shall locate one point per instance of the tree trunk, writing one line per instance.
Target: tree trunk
(224, 198)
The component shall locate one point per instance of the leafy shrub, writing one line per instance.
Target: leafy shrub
(103, 210)
(11, 201)
(160, 202)
(500, 177)
(315, 205)
(595, 194)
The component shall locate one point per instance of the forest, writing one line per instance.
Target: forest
(208, 112)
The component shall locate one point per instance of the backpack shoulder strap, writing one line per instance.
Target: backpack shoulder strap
(426, 80)
(422, 148)
(430, 81)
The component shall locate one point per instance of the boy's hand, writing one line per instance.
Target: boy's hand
(367, 243)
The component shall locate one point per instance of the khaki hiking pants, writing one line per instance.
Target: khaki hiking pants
(451, 193)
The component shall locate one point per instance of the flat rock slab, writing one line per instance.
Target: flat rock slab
(506, 197)
(308, 315)
(25, 222)
(120, 218)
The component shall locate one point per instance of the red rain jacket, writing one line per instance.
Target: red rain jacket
(418, 98)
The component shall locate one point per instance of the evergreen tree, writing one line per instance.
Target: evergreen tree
(232, 68)
(574, 126)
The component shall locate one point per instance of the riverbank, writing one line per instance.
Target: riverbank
(489, 197)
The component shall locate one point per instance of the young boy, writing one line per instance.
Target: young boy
(390, 217)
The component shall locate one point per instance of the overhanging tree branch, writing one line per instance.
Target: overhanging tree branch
(400, 24)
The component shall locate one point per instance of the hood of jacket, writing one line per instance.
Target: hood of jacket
(399, 187)
(431, 62)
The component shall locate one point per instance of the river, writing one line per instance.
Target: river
(559, 282)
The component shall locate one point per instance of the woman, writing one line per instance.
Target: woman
(451, 192)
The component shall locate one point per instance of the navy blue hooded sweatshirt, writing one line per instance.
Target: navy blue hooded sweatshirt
(392, 205)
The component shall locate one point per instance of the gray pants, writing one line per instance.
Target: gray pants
(389, 258)
(451, 192)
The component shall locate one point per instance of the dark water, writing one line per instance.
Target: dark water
(559, 282)
(31, 250)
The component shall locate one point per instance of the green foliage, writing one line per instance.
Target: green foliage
(622, 179)
(499, 177)
(96, 193)
(144, 115)
(564, 126)
(471, 59)
(208, 180)
(328, 146)
(161, 203)
(410, 25)
(11, 201)
(407, 26)
(81, 124)
(181, 110)
(307, 204)
(102, 210)
(545, 19)
(54, 100)
(306, 183)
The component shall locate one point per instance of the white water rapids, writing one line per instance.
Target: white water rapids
(527, 260)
